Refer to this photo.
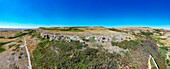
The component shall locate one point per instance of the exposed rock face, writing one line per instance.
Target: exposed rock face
(68, 38)
(102, 39)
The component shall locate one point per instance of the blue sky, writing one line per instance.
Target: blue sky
(106, 13)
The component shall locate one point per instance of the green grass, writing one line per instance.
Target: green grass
(57, 33)
(158, 39)
(3, 43)
(11, 45)
(163, 52)
(116, 30)
(92, 39)
(83, 38)
(33, 34)
(68, 29)
(2, 49)
(146, 33)
(127, 44)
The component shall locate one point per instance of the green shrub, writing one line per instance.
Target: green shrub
(92, 39)
(11, 45)
(57, 33)
(90, 51)
(127, 44)
(2, 37)
(117, 30)
(71, 56)
(68, 29)
(1, 44)
(16, 67)
(2, 49)
(33, 34)
(13, 54)
(167, 61)
(83, 38)
(146, 33)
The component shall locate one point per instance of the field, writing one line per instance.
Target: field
(85, 47)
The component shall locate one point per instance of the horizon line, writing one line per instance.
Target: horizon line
(167, 28)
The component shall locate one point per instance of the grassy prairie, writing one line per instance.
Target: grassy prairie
(67, 29)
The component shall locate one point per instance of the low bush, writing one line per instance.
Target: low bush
(11, 45)
(17, 35)
(127, 44)
(2, 37)
(2, 49)
(83, 38)
(3, 43)
(90, 51)
(146, 33)
(71, 56)
(67, 29)
(57, 33)
(117, 30)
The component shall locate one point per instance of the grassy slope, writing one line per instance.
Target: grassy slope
(71, 55)
(59, 54)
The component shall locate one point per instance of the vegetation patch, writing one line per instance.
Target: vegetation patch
(57, 33)
(2, 49)
(21, 34)
(3, 43)
(33, 34)
(163, 52)
(67, 29)
(127, 44)
(92, 39)
(17, 35)
(2, 37)
(11, 45)
(83, 38)
(117, 30)
(146, 33)
(71, 55)
(62, 55)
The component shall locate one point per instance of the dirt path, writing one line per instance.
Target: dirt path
(29, 61)
(150, 57)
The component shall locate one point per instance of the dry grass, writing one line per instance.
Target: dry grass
(6, 40)
(32, 44)
(135, 28)
(86, 31)
(9, 32)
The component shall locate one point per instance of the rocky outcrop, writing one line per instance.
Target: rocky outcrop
(84, 38)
